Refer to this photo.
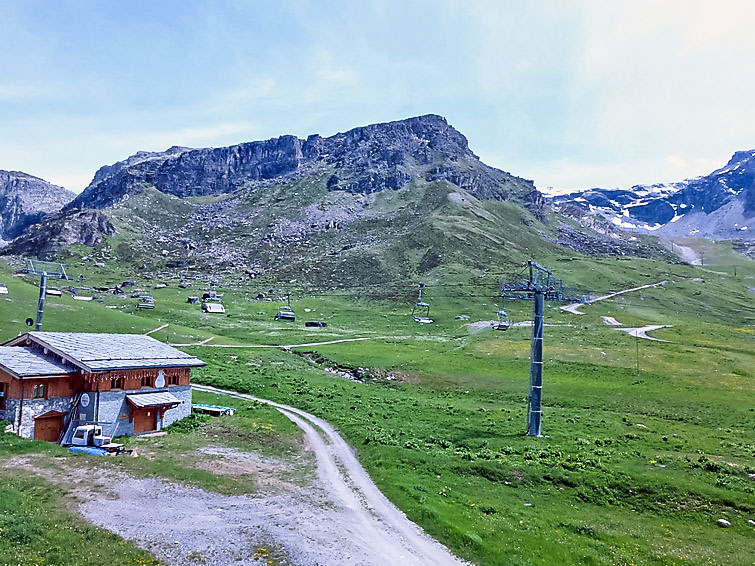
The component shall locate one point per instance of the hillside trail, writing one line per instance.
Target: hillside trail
(639, 332)
(391, 537)
(574, 307)
(687, 254)
(277, 346)
(642, 331)
(337, 517)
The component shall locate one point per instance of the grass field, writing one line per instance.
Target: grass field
(647, 444)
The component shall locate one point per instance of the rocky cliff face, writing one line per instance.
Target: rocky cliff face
(363, 160)
(719, 205)
(25, 200)
(60, 230)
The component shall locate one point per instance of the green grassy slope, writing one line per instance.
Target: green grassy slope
(647, 443)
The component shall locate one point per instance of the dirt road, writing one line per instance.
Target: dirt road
(336, 518)
(378, 531)
(643, 330)
(278, 346)
(574, 307)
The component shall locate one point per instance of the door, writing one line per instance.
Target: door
(48, 428)
(145, 420)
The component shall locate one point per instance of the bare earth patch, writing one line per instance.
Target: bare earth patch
(270, 474)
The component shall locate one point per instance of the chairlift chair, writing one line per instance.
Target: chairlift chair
(146, 302)
(285, 312)
(503, 321)
(82, 293)
(213, 305)
(421, 310)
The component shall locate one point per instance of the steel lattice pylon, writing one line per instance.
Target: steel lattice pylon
(539, 286)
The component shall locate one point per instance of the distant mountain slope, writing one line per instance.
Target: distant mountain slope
(364, 160)
(720, 205)
(25, 200)
(377, 203)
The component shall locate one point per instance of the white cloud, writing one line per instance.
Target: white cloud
(73, 182)
(189, 136)
(676, 161)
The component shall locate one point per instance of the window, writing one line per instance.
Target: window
(116, 383)
(39, 392)
(146, 381)
(3, 387)
(173, 379)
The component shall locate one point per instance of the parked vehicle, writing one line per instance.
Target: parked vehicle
(88, 439)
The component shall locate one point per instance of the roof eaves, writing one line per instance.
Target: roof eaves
(59, 352)
(10, 372)
(128, 364)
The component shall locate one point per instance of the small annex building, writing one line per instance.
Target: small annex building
(52, 382)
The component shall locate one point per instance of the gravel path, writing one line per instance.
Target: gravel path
(339, 519)
(279, 346)
(574, 307)
(642, 331)
(483, 325)
(687, 254)
(372, 529)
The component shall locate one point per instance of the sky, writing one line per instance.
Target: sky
(570, 94)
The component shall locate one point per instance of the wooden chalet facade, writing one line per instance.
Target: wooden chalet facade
(51, 382)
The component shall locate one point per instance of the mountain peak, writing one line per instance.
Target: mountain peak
(719, 205)
(25, 200)
(740, 156)
(365, 159)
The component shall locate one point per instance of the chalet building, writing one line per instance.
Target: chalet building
(51, 382)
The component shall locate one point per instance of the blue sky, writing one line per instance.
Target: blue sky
(570, 94)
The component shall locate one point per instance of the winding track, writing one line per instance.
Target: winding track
(642, 331)
(393, 537)
(574, 307)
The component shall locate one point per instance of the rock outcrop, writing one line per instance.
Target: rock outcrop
(60, 230)
(363, 160)
(25, 200)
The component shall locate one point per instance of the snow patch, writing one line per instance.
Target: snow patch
(618, 222)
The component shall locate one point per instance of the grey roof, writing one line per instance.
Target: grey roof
(28, 362)
(153, 399)
(100, 351)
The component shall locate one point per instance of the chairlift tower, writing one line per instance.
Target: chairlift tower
(44, 269)
(539, 287)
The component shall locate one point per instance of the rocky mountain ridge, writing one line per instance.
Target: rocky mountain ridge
(25, 200)
(377, 202)
(363, 160)
(720, 205)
